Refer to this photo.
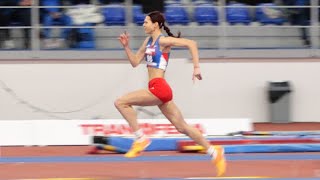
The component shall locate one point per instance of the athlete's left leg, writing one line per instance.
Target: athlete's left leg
(173, 114)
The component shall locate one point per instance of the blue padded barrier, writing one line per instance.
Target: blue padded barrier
(111, 148)
(170, 144)
(270, 148)
(158, 144)
(276, 133)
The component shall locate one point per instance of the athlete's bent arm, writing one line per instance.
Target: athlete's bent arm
(182, 42)
(193, 48)
(134, 59)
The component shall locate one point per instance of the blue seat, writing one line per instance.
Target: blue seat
(237, 13)
(85, 38)
(15, 23)
(198, 2)
(169, 2)
(114, 15)
(268, 13)
(206, 14)
(176, 14)
(138, 15)
(110, 1)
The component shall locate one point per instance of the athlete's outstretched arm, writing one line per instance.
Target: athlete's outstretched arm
(134, 59)
(193, 48)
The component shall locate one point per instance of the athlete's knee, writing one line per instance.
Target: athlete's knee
(119, 103)
(183, 129)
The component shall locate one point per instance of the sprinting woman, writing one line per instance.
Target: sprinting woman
(156, 49)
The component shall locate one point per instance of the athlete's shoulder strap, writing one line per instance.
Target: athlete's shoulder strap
(149, 41)
(157, 41)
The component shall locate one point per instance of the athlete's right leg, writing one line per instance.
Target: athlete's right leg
(124, 105)
(139, 98)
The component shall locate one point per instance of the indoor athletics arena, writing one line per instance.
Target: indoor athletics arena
(65, 77)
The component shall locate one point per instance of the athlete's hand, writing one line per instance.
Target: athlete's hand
(196, 74)
(124, 39)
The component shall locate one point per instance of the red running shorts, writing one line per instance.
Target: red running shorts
(161, 89)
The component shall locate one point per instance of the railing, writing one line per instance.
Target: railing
(220, 40)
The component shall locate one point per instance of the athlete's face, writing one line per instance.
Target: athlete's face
(148, 26)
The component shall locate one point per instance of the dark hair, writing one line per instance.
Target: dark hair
(157, 16)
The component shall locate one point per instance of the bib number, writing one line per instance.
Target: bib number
(149, 58)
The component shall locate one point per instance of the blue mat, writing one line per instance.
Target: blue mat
(276, 133)
(158, 144)
(170, 144)
(270, 148)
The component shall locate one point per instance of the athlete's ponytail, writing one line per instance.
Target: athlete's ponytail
(158, 17)
(170, 33)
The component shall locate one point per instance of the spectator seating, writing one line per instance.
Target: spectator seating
(202, 2)
(237, 13)
(114, 15)
(111, 1)
(138, 15)
(176, 14)
(83, 38)
(267, 13)
(206, 14)
(169, 2)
